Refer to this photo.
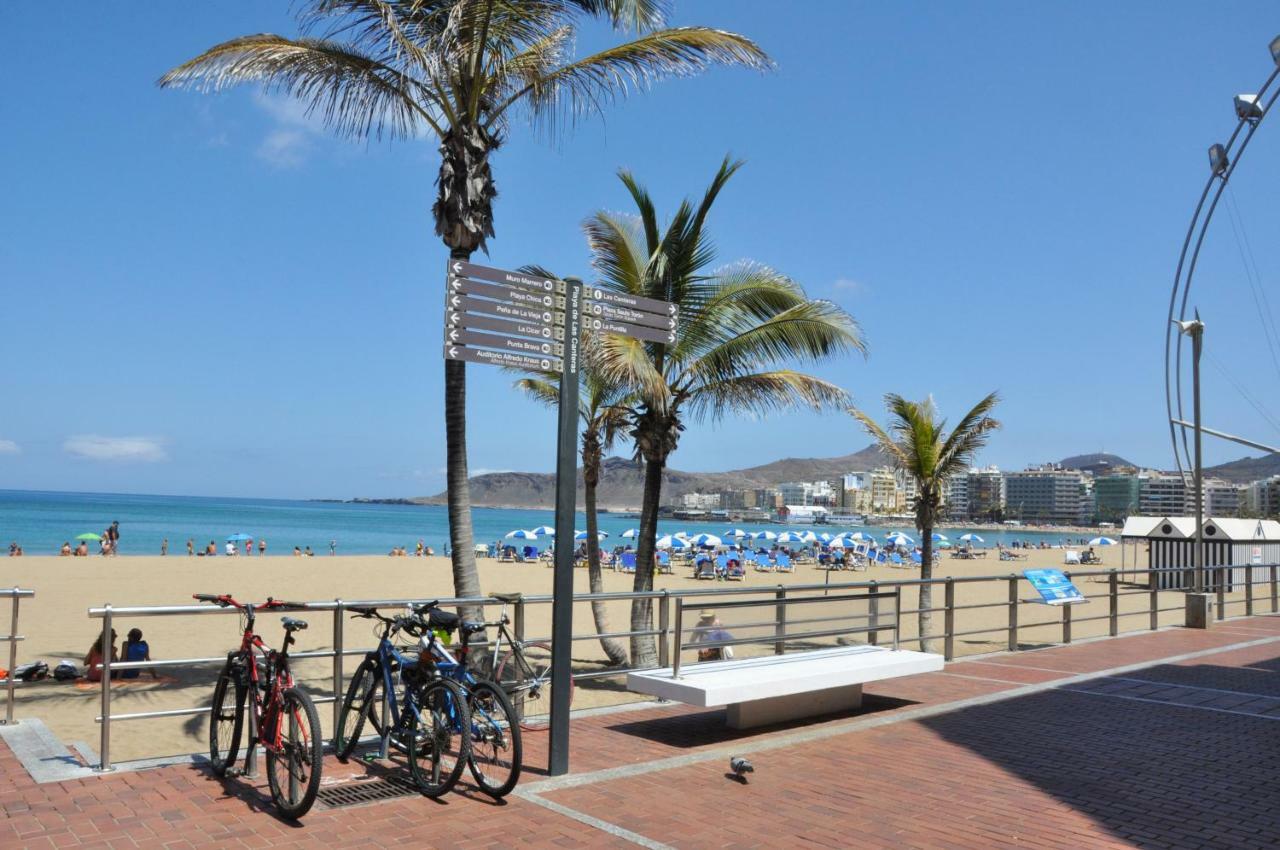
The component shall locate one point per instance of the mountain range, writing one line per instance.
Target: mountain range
(622, 480)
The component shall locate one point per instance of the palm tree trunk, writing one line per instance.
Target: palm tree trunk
(613, 649)
(466, 581)
(926, 590)
(643, 647)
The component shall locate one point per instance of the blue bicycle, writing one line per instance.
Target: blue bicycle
(495, 727)
(431, 720)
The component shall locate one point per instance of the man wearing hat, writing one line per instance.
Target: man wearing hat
(710, 630)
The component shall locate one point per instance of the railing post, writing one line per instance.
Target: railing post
(780, 621)
(1153, 601)
(664, 625)
(897, 617)
(108, 644)
(1113, 593)
(1248, 591)
(873, 636)
(1013, 613)
(1222, 592)
(13, 657)
(518, 621)
(1275, 597)
(949, 620)
(1066, 623)
(337, 665)
(678, 639)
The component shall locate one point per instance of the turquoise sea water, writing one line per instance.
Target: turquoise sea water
(42, 521)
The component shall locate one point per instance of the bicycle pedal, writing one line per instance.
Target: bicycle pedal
(235, 772)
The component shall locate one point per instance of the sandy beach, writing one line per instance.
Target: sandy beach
(56, 624)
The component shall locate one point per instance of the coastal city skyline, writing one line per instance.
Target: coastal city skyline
(344, 398)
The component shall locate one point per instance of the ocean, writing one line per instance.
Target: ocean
(41, 521)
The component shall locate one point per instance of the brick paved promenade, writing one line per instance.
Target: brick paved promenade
(1162, 740)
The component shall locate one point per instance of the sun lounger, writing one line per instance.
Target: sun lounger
(628, 562)
(1071, 557)
(705, 569)
(734, 570)
(664, 562)
(917, 557)
(762, 562)
(896, 559)
(784, 563)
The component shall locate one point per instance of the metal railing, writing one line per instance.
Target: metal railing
(1009, 633)
(17, 594)
(780, 622)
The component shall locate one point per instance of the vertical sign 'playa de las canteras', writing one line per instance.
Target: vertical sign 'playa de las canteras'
(498, 317)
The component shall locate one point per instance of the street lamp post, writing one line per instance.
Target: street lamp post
(1194, 328)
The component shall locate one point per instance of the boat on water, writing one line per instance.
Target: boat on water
(843, 519)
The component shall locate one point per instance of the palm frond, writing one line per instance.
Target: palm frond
(616, 252)
(886, 443)
(354, 94)
(586, 85)
(543, 390)
(760, 393)
(627, 362)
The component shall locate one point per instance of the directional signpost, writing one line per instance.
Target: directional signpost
(507, 318)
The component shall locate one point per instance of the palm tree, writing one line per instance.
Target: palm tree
(918, 444)
(603, 412)
(460, 70)
(737, 325)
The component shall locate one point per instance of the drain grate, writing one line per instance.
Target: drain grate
(365, 791)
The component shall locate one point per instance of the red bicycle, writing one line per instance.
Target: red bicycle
(285, 718)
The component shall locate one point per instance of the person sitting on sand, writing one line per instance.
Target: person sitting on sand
(308, 552)
(430, 552)
(136, 649)
(94, 657)
(417, 553)
(297, 553)
(211, 550)
(65, 551)
(82, 551)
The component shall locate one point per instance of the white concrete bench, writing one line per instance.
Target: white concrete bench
(772, 688)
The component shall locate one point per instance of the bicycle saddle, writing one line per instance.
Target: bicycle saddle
(292, 624)
(470, 628)
(509, 598)
(442, 619)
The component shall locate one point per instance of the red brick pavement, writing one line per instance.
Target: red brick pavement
(1055, 768)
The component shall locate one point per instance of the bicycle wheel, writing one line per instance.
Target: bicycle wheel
(226, 717)
(363, 702)
(527, 680)
(495, 740)
(439, 736)
(293, 771)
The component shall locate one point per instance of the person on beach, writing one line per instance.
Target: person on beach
(710, 629)
(231, 549)
(418, 552)
(430, 551)
(164, 547)
(13, 548)
(262, 547)
(94, 657)
(297, 553)
(333, 548)
(211, 550)
(65, 551)
(191, 548)
(136, 649)
(309, 553)
(113, 534)
(248, 547)
(82, 551)
(104, 545)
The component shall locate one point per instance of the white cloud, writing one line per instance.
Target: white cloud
(289, 143)
(849, 286)
(284, 148)
(9, 447)
(96, 447)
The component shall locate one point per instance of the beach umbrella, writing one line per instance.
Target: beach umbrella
(735, 533)
(858, 535)
(521, 534)
(897, 538)
(763, 535)
(88, 535)
(239, 538)
(683, 535)
(971, 538)
(668, 541)
(631, 532)
(706, 540)
(791, 537)
(826, 537)
(1102, 541)
(544, 531)
(945, 544)
(808, 537)
(582, 535)
(939, 538)
(844, 541)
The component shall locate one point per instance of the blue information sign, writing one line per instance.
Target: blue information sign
(1054, 587)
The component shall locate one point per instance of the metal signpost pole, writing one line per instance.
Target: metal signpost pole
(1197, 336)
(566, 498)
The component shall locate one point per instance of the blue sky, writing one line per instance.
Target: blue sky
(207, 295)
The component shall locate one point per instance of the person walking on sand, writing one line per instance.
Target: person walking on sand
(164, 547)
(191, 548)
(262, 547)
(113, 534)
(333, 547)
(248, 547)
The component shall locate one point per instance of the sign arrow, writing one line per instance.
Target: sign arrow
(648, 334)
(478, 272)
(514, 294)
(504, 358)
(633, 302)
(542, 348)
(479, 321)
(630, 317)
(545, 316)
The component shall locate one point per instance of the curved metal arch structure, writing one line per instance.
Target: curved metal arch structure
(1223, 159)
